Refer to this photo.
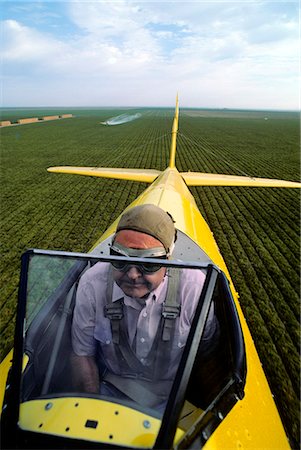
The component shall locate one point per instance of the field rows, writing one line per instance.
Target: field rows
(257, 230)
(268, 268)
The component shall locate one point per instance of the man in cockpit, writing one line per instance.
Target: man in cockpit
(131, 322)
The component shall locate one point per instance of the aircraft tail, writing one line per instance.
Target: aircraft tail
(190, 178)
(214, 179)
(143, 175)
(174, 133)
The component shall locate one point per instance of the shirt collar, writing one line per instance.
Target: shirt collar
(158, 295)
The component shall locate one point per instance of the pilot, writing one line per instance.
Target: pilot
(131, 322)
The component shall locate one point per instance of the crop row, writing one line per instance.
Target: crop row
(257, 230)
(266, 275)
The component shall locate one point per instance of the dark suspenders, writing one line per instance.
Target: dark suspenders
(170, 311)
(171, 306)
(113, 310)
(144, 384)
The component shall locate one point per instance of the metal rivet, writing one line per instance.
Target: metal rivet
(48, 406)
(146, 424)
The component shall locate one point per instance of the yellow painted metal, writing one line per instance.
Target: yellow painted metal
(212, 179)
(190, 178)
(174, 132)
(170, 193)
(144, 175)
(91, 420)
(254, 422)
(4, 368)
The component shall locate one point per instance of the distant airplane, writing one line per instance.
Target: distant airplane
(40, 409)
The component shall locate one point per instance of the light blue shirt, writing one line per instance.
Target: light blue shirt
(142, 317)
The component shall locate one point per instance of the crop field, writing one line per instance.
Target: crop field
(257, 230)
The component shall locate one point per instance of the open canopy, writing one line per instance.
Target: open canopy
(202, 390)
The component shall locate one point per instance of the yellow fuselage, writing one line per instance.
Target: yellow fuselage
(254, 422)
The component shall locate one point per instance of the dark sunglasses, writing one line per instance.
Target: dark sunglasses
(124, 266)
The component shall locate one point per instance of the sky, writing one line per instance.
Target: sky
(215, 54)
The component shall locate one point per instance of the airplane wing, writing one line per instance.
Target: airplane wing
(212, 179)
(144, 175)
(191, 178)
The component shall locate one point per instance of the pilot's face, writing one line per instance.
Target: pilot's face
(132, 279)
(136, 284)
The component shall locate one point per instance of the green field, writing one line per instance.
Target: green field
(257, 230)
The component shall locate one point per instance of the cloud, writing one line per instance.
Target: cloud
(21, 43)
(127, 52)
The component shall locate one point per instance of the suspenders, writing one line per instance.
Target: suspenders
(144, 384)
(170, 309)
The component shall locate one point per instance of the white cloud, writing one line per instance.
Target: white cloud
(218, 54)
(21, 43)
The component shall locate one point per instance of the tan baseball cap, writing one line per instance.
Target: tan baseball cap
(152, 220)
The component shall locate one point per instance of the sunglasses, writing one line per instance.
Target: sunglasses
(124, 266)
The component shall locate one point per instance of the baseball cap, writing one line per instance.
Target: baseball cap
(152, 220)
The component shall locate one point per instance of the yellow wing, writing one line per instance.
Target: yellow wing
(190, 178)
(212, 179)
(144, 175)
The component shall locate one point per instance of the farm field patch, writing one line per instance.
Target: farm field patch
(257, 230)
(238, 114)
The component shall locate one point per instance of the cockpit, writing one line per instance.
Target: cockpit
(171, 392)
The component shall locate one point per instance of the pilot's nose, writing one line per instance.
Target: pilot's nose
(133, 273)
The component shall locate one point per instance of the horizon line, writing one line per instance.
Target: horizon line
(206, 108)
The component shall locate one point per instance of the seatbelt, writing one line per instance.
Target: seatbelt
(128, 354)
(171, 306)
(170, 310)
(138, 390)
(113, 310)
(143, 390)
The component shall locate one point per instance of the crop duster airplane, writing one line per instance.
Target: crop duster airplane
(41, 409)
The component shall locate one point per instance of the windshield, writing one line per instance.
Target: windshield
(116, 328)
(45, 274)
(148, 340)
